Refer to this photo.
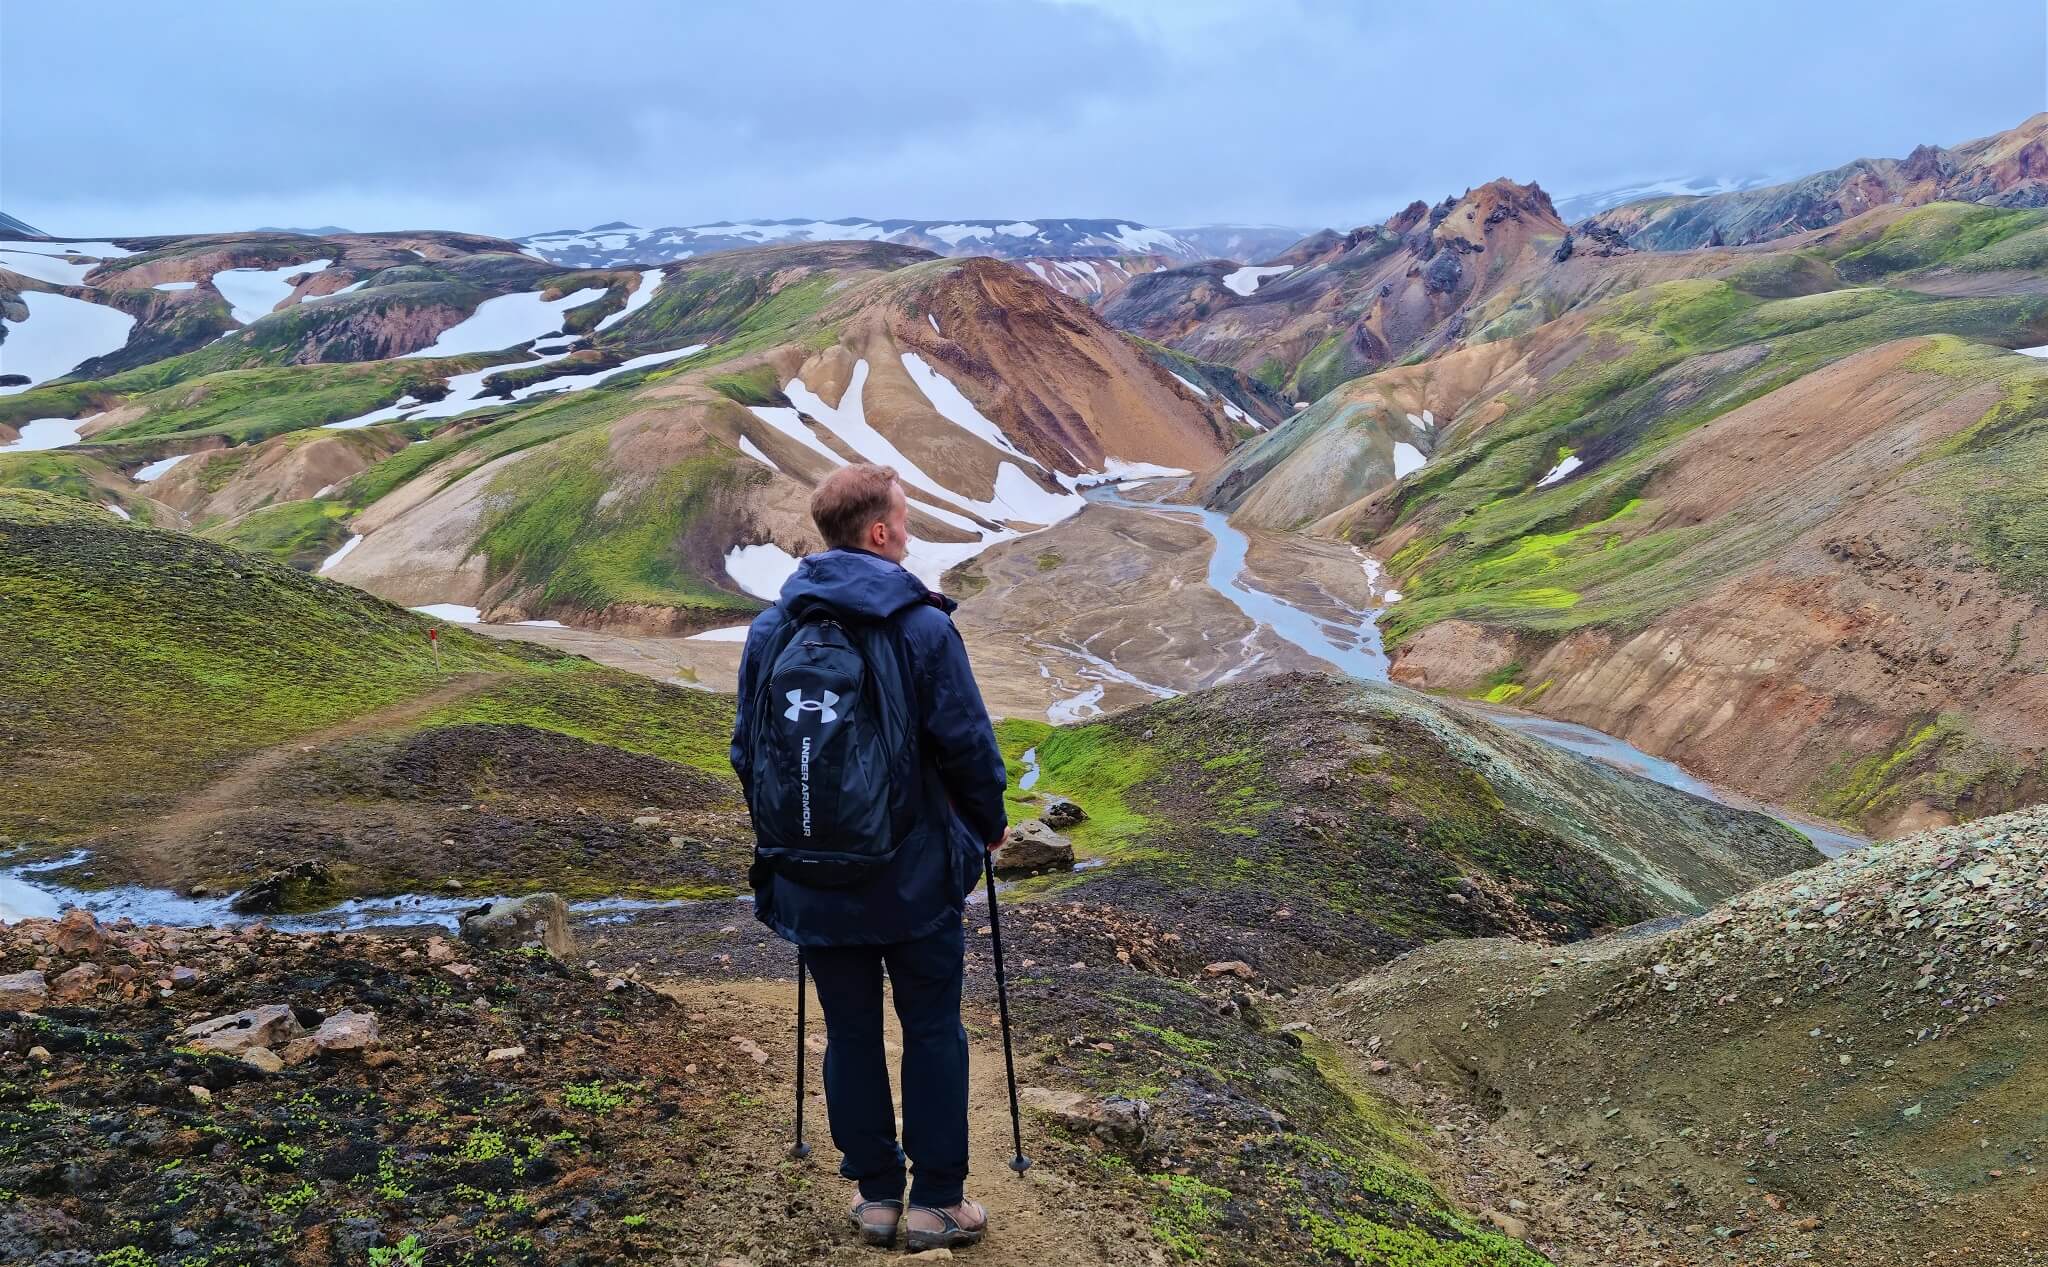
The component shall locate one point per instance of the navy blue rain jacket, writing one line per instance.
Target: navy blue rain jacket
(961, 804)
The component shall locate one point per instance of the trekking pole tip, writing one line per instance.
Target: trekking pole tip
(800, 1151)
(1020, 1163)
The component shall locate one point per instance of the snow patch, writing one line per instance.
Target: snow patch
(46, 263)
(59, 334)
(1558, 472)
(753, 451)
(1246, 280)
(541, 624)
(731, 633)
(158, 469)
(333, 294)
(954, 406)
(2039, 351)
(650, 281)
(1407, 459)
(761, 569)
(175, 286)
(577, 382)
(1196, 389)
(935, 324)
(125, 517)
(252, 293)
(504, 322)
(46, 433)
(346, 547)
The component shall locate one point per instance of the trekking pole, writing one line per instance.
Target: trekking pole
(1020, 1163)
(801, 1150)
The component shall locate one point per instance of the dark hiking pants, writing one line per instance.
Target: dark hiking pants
(924, 976)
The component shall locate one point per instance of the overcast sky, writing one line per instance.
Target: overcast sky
(513, 117)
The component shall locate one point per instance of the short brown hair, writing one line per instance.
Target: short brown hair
(850, 499)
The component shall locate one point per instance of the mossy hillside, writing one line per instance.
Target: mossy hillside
(580, 533)
(299, 534)
(247, 406)
(1261, 1148)
(1990, 476)
(1673, 357)
(1964, 237)
(1370, 847)
(77, 475)
(151, 659)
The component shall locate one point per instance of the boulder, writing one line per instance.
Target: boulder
(346, 1031)
(1033, 846)
(78, 933)
(269, 1026)
(1130, 1125)
(23, 992)
(520, 923)
(1061, 813)
(264, 1059)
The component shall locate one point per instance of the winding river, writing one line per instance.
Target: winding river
(1358, 651)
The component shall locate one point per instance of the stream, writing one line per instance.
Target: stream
(1358, 651)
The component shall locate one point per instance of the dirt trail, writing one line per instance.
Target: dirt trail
(1045, 1219)
(196, 814)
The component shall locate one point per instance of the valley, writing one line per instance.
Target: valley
(1555, 709)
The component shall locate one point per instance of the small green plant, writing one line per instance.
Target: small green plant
(592, 1097)
(407, 1253)
(634, 1220)
(483, 1145)
(388, 1185)
(286, 1204)
(126, 1256)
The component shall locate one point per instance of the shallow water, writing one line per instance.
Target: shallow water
(1365, 657)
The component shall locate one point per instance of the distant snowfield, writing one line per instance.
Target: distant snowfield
(731, 633)
(753, 451)
(46, 262)
(60, 334)
(158, 469)
(175, 286)
(1407, 459)
(1558, 472)
(650, 281)
(1246, 280)
(2039, 351)
(252, 292)
(1196, 388)
(954, 406)
(347, 548)
(505, 322)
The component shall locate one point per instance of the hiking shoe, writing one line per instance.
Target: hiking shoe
(962, 1225)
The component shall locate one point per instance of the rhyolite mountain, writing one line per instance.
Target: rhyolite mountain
(2007, 169)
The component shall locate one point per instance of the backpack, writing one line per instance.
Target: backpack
(833, 754)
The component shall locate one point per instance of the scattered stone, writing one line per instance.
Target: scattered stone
(380, 1058)
(1232, 967)
(298, 1051)
(267, 1026)
(41, 1055)
(1061, 813)
(1030, 847)
(78, 983)
(200, 1094)
(498, 1054)
(23, 991)
(928, 1256)
(1508, 1224)
(536, 921)
(263, 1058)
(346, 1031)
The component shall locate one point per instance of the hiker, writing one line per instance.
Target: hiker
(876, 787)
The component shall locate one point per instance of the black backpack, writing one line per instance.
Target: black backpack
(833, 763)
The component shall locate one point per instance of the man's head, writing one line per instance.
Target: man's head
(861, 507)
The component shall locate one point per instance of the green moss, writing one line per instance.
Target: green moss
(1352, 1238)
(574, 697)
(1186, 1209)
(580, 532)
(1048, 560)
(253, 404)
(300, 534)
(755, 385)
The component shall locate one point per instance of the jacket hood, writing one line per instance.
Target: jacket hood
(857, 584)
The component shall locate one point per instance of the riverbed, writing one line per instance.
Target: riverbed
(1355, 648)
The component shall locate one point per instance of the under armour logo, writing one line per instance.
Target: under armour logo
(798, 706)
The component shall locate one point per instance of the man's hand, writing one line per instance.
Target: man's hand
(995, 844)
